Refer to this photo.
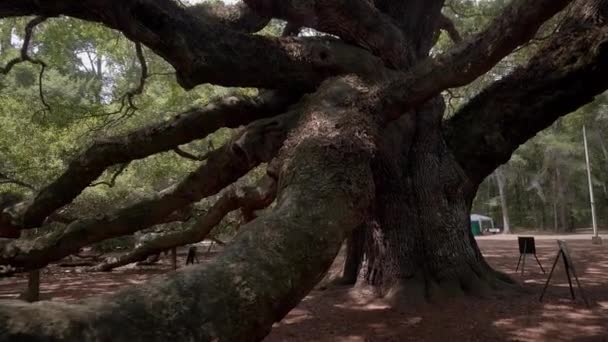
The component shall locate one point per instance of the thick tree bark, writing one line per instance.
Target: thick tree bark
(421, 248)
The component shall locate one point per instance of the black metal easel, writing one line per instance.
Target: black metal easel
(569, 267)
(527, 246)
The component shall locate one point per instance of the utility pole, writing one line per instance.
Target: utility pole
(596, 239)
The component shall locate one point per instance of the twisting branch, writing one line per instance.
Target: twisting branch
(25, 57)
(127, 106)
(258, 143)
(232, 198)
(142, 79)
(469, 59)
(197, 123)
(573, 63)
(361, 23)
(199, 57)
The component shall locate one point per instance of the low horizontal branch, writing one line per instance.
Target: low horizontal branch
(258, 143)
(232, 111)
(258, 197)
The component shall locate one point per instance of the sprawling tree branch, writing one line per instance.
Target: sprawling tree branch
(355, 21)
(197, 123)
(566, 73)
(258, 143)
(330, 152)
(232, 198)
(192, 46)
(473, 57)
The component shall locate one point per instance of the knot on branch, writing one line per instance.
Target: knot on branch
(258, 142)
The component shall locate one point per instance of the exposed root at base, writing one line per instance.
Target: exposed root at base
(478, 282)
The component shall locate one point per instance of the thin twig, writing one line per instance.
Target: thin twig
(189, 155)
(25, 57)
(4, 179)
(112, 181)
(127, 106)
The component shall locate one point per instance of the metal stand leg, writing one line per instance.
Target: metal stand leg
(580, 288)
(569, 280)
(518, 261)
(550, 274)
(539, 264)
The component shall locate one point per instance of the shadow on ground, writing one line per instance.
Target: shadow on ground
(346, 315)
(341, 314)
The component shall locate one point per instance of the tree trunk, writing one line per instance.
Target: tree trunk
(422, 248)
(354, 256)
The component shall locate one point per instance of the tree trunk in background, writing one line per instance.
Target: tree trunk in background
(354, 256)
(500, 181)
(33, 286)
(555, 202)
(174, 257)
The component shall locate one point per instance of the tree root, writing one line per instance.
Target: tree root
(478, 281)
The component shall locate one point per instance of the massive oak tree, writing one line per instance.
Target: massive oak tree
(352, 124)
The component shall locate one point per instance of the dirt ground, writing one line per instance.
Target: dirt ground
(341, 314)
